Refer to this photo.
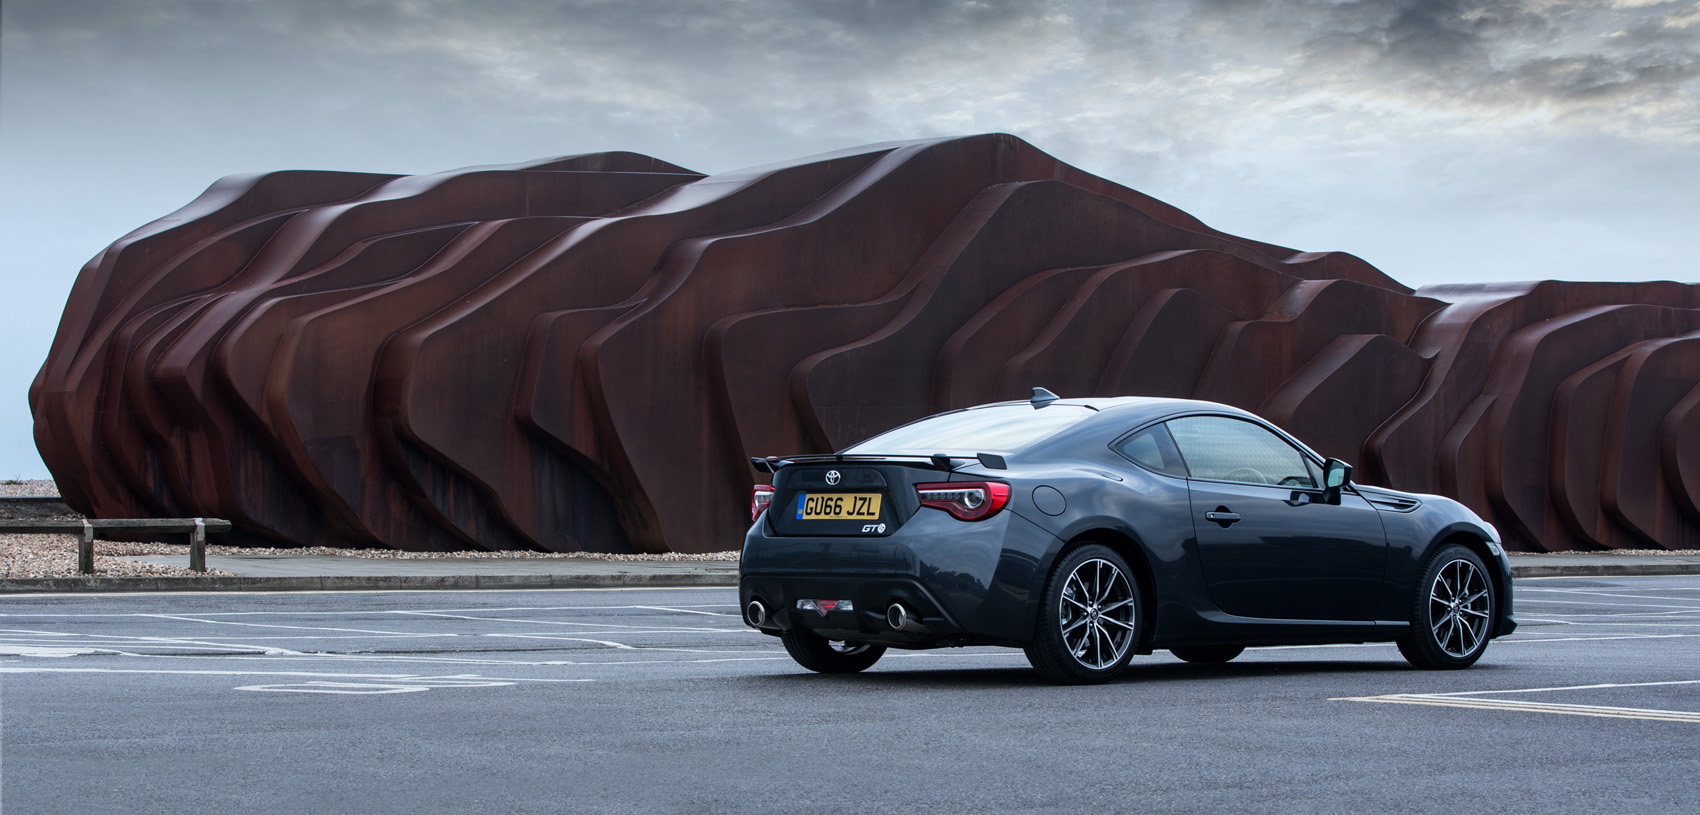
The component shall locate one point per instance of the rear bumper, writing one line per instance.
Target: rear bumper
(870, 595)
(968, 582)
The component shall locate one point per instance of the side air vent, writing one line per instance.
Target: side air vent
(1393, 503)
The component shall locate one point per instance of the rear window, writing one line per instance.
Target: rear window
(999, 429)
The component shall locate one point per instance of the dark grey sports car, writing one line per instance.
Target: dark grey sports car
(1085, 531)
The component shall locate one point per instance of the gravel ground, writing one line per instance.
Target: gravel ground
(56, 556)
(13, 486)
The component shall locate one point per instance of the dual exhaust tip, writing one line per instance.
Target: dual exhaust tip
(900, 617)
(755, 614)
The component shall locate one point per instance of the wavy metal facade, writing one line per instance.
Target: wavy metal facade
(581, 353)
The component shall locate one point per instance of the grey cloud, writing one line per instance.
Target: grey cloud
(1575, 57)
(821, 58)
(1597, 78)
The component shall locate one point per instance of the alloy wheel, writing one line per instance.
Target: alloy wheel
(1459, 608)
(1098, 614)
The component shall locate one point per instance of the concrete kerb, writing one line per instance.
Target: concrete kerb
(1604, 570)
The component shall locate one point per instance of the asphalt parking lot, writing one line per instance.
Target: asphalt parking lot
(660, 700)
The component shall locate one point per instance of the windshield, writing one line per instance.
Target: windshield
(998, 429)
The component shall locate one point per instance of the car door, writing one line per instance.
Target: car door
(1270, 543)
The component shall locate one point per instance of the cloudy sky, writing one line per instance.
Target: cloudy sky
(1442, 141)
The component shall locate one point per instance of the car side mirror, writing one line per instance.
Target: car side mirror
(1336, 474)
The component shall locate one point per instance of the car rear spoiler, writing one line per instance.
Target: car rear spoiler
(939, 461)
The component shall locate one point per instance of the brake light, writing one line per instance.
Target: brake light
(760, 497)
(965, 500)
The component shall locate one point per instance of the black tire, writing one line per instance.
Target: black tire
(1207, 654)
(822, 656)
(1452, 611)
(1089, 618)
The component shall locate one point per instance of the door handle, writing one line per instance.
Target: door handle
(1223, 516)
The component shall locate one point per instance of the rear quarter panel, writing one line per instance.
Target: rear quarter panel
(1150, 510)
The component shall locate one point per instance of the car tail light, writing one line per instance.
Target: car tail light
(760, 497)
(965, 500)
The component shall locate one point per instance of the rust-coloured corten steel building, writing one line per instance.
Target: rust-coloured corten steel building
(581, 353)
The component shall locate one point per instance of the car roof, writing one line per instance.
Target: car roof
(1125, 409)
(1119, 414)
(1113, 415)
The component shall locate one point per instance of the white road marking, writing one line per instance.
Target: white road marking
(429, 660)
(1470, 699)
(292, 627)
(1520, 638)
(1532, 707)
(416, 678)
(766, 655)
(21, 650)
(1596, 603)
(525, 621)
(687, 611)
(552, 637)
(367, 688)
(1629, 592)
(354, 592)
(371, 612)
(1661, 579)
(1621, 620)
(173, 641)
(352, 688)
(1595, 686)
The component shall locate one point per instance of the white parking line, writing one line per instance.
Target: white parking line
(321, 681)
(1536, 638)
(359, 592)
(1597, 603)
(1470, 699)
(1595, 686)
(1616, 592)
(179, 642)
(446, 616)
(1617, 620)
(13, 669)
(273, 625)
(557, 638)
(687, 611)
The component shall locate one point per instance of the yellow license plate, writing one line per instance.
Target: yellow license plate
(837, 506)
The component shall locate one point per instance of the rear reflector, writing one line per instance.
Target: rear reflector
(760, 497)
(965, 500)
(823, 606)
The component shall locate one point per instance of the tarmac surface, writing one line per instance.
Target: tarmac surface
(660, 701)
(332, 572)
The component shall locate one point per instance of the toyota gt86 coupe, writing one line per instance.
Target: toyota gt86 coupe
(1085, 531)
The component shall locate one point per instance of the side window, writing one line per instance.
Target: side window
(1225, 449)
(1152, 449)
